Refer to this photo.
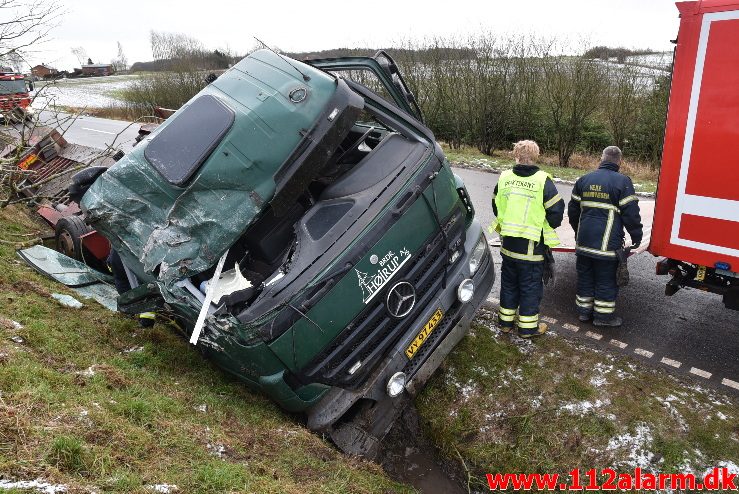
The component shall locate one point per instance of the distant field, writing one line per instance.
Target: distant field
(88, 92)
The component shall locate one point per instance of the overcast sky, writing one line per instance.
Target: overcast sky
(307, 26)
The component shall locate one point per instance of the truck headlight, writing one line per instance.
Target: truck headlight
(477, 254)
(465, 291)
(396, 384)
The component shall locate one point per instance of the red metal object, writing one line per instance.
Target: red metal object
(697, 210)
(52, 216)
(97, 244)
(10, 100)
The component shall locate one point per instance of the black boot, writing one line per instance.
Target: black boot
(614, 322)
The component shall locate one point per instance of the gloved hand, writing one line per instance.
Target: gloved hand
(548, 274)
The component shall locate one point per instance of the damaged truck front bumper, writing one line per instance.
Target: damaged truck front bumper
(357, 419)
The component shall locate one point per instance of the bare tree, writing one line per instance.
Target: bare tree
(626, 89)
(573, 88)
(25, 23)
(80, 53)
(174, 46)
(120, 63)
(15, 60)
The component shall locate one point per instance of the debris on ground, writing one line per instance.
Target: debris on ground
(67, 300)
(6, 323)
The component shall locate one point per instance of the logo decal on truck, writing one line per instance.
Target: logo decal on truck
(387, 267)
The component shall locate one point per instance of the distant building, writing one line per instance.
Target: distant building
(44, 72)
(100, 69)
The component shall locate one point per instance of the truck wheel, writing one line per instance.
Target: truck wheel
(67, 233)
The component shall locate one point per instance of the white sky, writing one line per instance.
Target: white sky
(307, 26)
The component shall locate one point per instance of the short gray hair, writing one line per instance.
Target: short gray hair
(612, 154)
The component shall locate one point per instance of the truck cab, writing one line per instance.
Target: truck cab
(15, 101)
(309, 235)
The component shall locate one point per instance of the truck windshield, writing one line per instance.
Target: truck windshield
(12, 87)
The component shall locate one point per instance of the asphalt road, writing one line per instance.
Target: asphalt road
(692, 328)
(92, 131)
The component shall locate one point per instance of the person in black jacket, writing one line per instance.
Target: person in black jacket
(603, 203)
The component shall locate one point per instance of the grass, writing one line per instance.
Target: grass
(643, 176)
(91, 401)
(509, 405)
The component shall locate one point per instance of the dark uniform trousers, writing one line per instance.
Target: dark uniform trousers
(596, 287)
(521, 287)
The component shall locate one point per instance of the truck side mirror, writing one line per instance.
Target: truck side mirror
(29, 84)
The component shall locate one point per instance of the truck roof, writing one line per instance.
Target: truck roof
(209, 170)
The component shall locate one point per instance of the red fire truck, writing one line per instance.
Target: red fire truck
(696, 222)
(15, 102)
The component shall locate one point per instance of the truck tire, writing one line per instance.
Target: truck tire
(67, 234)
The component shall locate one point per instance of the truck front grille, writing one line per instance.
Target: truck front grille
(368, 337)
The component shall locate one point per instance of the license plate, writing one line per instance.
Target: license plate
(701, 273)
(424, 334)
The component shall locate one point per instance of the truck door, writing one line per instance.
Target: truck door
(378, 73)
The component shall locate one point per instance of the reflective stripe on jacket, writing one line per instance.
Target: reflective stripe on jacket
(526, 218)
(603, 204)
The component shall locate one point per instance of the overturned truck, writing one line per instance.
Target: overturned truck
(316, 229)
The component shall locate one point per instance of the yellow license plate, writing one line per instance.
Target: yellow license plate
(701, 273)
(425, 332)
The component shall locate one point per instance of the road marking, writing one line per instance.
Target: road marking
(730, 383)
(595, 336)
(670, 362)
(643, 353)
(571, 327)
(619, 344)
(548, 319)
(101, 131)
(701, 373)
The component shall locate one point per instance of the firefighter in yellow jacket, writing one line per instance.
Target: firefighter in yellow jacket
(528, 209)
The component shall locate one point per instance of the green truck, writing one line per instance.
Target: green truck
(304, 227)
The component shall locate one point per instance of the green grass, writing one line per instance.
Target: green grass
(78, 407)
(508, 405)
(644, 178)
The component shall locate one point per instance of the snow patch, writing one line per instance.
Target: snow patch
(81, 93)
(732, 467)
(467, 390)
(582, 407)
(635, 446)
(483, 372)
(598, 381)
(38, 485)
(163, 488)
(675, 414)
(218, 450)
(536, 402)
(89, 372)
